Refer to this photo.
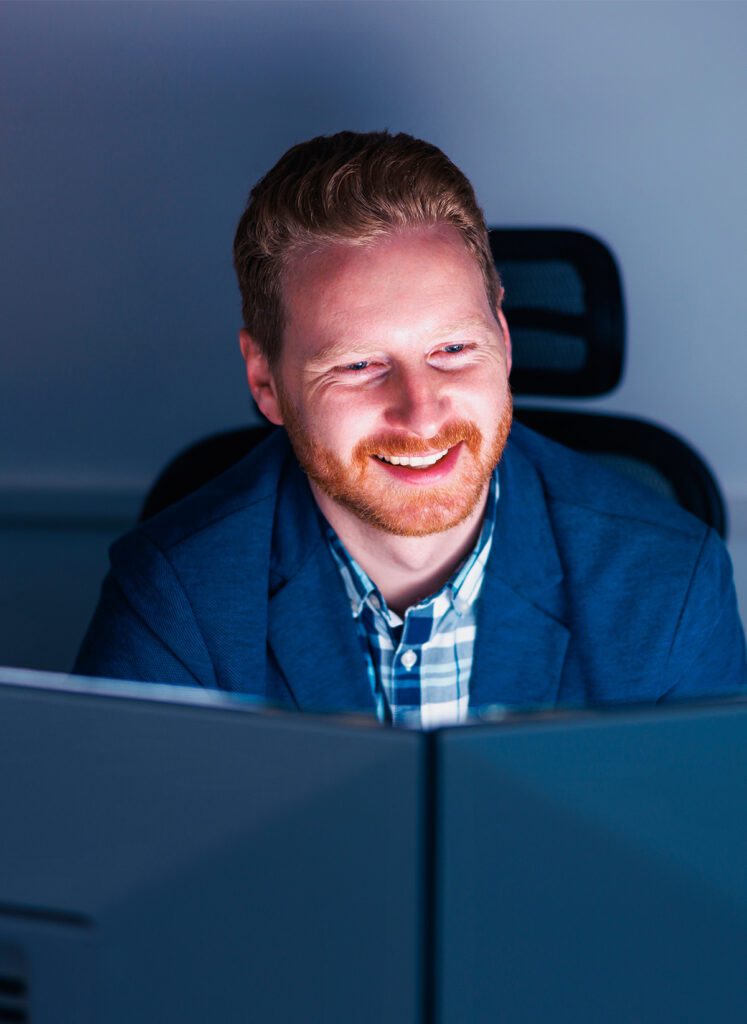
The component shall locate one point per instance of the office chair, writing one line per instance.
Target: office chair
(564, 305)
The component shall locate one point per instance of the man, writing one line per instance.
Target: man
(393, 549)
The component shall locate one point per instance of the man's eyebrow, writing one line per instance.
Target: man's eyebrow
(337, 350)
(341, 349)
(469, 324)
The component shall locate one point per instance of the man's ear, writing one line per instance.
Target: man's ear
(506, 338)
(261, 378)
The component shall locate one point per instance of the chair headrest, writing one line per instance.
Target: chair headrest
(564, 306)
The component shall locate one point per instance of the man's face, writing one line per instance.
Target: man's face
(393, 378)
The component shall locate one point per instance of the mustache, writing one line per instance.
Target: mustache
(403, 444)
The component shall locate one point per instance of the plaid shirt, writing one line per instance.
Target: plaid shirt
(419, 667)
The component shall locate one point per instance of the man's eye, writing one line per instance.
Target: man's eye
(362, 364)
(454, 348)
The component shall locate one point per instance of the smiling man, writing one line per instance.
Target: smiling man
(392, 384)
(400, 547)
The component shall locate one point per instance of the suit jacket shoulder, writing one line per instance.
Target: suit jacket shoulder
(178, 582)
(647, 591)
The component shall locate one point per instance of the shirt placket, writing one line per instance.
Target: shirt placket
(406, 668)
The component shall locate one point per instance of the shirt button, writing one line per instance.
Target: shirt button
(408, 659)
(374, 601)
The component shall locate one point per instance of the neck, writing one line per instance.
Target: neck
(405, 569)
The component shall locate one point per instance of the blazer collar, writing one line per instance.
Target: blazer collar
(521, 640)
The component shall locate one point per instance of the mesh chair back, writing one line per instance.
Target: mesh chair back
(640, 450)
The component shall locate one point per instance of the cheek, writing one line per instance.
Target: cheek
(482, 394)
(340, 424)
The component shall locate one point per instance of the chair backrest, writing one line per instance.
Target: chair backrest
(199, 463)
(640, 450)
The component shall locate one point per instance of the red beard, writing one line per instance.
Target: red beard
(399, 508)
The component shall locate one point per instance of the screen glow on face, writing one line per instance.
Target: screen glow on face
(393, 382)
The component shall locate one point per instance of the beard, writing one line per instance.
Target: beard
(403, 509)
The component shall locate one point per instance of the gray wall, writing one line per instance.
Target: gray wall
(132, 133)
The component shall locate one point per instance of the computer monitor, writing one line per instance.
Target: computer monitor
(175, 855)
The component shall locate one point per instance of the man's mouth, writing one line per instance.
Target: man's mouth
(416, 461)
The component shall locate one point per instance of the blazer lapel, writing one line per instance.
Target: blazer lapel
(521, 640)
(311, 630)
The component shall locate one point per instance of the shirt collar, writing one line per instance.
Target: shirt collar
(461, 590)
(358, 584)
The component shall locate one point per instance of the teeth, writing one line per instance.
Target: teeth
(414, 460)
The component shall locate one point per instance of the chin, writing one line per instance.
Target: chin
(417, 516)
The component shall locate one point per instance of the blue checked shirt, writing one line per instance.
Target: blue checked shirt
(419, 667)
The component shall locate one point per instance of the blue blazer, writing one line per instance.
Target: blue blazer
(596, 592)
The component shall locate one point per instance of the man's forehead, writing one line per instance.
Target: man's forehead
(437, 327)
(429, 274)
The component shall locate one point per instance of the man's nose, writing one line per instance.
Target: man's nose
(418, 404)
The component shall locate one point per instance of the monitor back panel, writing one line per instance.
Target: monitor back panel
(167, 862)
(594, 870)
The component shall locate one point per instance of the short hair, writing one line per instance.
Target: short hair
(351, 187)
